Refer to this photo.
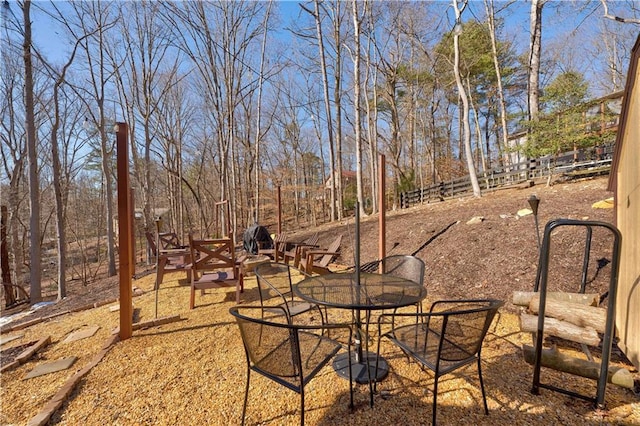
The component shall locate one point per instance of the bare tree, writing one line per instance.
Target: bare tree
(535, 45)
(94, 18)
(488, 4)
(606, 14)
(35, 250)
(356, 56)
(258, 136)
(12, 147)
(145, 72)
(333, 169)
(60, 184)
(466, 131)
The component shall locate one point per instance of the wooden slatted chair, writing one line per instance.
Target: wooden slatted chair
(170, 257)
(317, 261)
(279, 246)
(298, 251)
(214, 266)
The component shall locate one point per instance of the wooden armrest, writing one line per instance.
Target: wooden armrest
(303, 245)
(317, 252)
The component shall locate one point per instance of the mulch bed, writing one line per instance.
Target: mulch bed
(192, 371)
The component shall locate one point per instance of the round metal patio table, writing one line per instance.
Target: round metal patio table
(360, 292)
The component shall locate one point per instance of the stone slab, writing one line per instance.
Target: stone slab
(81, 334)
(51, 367)
(10, 338)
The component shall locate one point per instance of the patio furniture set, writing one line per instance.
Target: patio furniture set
(292, 352)
(297, 280)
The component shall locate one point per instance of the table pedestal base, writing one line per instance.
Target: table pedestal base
(359, 367)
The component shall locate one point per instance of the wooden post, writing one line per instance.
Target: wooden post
(382, 237)
(132, 207)
(279, 198)
(124, 230)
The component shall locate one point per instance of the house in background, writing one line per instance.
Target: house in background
(624, 181)
(599, 116)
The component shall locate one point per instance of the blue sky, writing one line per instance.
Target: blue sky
(564, 23)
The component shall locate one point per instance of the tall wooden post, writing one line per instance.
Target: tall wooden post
(125, 240)
(132, 208)
(382, 219)
(279, 197)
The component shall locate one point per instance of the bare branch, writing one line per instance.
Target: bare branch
(616, 18)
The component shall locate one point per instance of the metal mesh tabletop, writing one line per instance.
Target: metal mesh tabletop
(373, 291)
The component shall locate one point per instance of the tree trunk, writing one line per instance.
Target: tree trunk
(337, 98)
(466, 131)
(35, 268)
(535, 27)
(258, 137)
(327, 108)
(357, 118)
(502, 147)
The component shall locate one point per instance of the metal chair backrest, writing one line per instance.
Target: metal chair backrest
(461, 326)
(274, 279)
(272, 348)
(446, 338)
(404, 266)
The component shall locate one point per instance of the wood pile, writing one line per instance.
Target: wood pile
(574, 317)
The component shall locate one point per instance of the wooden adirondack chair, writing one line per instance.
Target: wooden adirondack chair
(279, 246)
(317, 261)
(214, 266)
(170, 257)
(298, 251)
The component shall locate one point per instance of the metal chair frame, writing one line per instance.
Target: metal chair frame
(439, 342)
(269, 275)
(283, 360)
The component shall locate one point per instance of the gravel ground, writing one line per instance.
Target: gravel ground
(192, 372)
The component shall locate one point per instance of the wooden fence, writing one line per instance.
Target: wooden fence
(570, 165)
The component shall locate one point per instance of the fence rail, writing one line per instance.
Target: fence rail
(565, 166)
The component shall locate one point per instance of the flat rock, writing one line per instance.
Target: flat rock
(81, 334)
(475, 220)
(604, 204)
(51, 367)
(8, 339)
(525, 212)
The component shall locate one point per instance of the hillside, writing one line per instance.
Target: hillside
(489, 259)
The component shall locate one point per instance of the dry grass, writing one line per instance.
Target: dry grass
(192, 372)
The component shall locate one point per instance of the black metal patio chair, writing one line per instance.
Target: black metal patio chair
(275, 284)
(288, 354)
(446, 338)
